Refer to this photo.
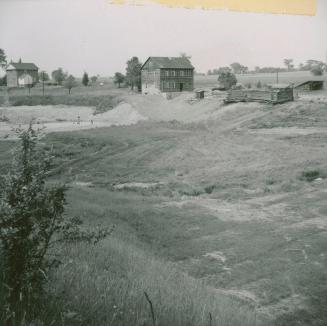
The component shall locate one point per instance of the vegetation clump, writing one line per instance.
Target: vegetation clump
(226, 78)
(85, 79)
(69, 83)
(32, 221)
(312, 175)
(59, 76)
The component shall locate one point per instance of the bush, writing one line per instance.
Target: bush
(311, 175)
(227, 79)
(3, 80)
(31, 222)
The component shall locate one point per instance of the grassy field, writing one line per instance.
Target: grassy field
(224, 216)
(103, 98)
(295, 77)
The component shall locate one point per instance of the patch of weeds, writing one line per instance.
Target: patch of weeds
(106, 103)
(209, 189)
(3, 118)
(312, 175)
(191, 191)
(17, 100)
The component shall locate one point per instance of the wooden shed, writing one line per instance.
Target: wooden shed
(275, 93)
(310, 85)
(199, 94)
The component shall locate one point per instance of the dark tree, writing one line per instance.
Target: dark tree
(133, 73)
(3, 80)
(69, 83)
(85, 79)
(227, 79)
(3, 58)
(119, 78)
(236, 67)
(94, 79)
(289, 64)
(43, 76)
(59, 75)
(259, 85)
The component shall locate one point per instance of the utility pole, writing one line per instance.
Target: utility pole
(277, 80)
(42, 83)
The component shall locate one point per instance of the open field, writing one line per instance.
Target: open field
(233, 196)
(265, 78)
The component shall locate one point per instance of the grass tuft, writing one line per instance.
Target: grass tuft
(105, 285)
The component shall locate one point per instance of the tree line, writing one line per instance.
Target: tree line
(132, 76)
(316, 67)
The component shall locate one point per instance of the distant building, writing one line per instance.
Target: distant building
(167, 75)
(21, 74)
(274, 93)
(310, 85)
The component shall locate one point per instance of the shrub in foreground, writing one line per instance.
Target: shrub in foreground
(31, 222)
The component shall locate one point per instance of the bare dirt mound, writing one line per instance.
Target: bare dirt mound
(64, 118)
(182, 108)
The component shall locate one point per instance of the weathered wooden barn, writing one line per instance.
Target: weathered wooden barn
(310, 85)
(276, 93)
(167, 75)
(21, 74)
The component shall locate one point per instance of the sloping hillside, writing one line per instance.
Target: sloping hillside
(232, 195)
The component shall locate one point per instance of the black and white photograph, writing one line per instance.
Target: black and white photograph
(163, 163)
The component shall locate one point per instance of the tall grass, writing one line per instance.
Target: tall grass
(102, 103)
(105, 285)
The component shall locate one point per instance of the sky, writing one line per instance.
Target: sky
(98, 37)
